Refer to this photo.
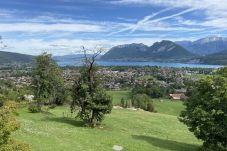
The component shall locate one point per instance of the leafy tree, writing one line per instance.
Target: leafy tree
(153, 89)
(47, 81)
(206, 111)
(8, 124)
(143, 101)
(89, 95)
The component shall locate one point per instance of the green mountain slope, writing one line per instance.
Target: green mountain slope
(169, 50)
(10, 57)
(217, 58)
(164, 50)
(126, 52)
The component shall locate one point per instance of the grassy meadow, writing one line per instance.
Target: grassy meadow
(58, 130)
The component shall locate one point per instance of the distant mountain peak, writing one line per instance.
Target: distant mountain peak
(211, 39)
(139, 46)
(205, 46)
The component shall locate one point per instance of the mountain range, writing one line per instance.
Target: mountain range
(159, 51)
(209, 50)
(205, 46)
(199, 51)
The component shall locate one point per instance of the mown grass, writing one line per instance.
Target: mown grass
(58, 130)
(167, 106)
(134, 130)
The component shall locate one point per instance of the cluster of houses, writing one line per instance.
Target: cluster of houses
(178, 95)
(116, 79)
(17, 80)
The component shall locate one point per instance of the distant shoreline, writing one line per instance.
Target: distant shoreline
(139, 63)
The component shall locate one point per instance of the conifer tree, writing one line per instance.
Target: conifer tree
(88, 93)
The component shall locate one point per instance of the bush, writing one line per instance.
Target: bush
(2, 100)
(52, 106)
(34, 108)
(150, 107)
(126, 103)
(8, 124)
(1, 103)
(123, 103)
(143, 101)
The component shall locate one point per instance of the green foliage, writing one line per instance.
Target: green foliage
(143, 101)
(1, 103)
(150, 107)
(126, 103)
(8, 124)
(123, 102)
(153, 90)
(206, 111)
(90, 97)
(34, 107)
(2, 100)
(47, 81)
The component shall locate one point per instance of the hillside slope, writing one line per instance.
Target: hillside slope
(217, 58)
(10, 57)
(133, 130)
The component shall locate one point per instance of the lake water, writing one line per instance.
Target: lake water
(135, 63)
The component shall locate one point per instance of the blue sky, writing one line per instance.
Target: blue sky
(62, 26)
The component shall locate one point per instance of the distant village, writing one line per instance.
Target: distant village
(120, 78)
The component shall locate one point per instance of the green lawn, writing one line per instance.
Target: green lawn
(134, 130)
(167, 106)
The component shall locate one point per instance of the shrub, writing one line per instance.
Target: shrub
(150, 107)
(8, 124)
(34, 108)
(2, 100)
(123, 103)
(143, 101)
(1, 103)
(52, 106)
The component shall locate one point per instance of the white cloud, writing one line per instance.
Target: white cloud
(39, 27)
(215, 10)
(150, 24)
(71, 46)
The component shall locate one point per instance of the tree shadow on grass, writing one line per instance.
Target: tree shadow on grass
(66, 120)
(167, 144)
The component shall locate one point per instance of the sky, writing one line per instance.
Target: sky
(61, 27)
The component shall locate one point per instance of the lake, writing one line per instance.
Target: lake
(137, 63)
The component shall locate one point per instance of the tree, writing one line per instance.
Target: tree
(206, 111)
(143, 101)
(47, 81)
(89, 95)
(8, 124)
